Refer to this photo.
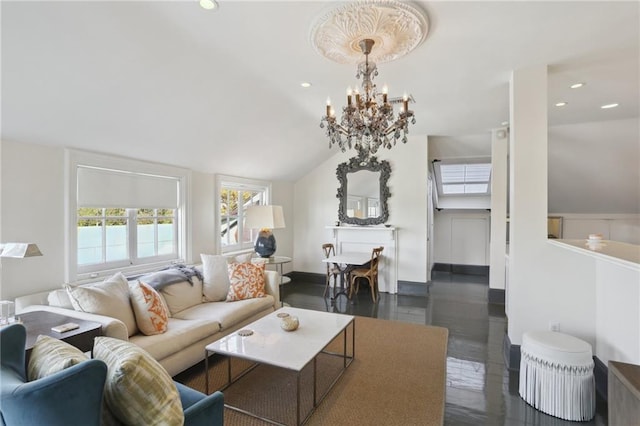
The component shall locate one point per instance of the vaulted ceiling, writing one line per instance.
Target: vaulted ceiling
(219, 91)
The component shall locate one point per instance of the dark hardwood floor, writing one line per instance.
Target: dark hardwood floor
(480, 390)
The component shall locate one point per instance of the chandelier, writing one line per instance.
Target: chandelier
(368, 121)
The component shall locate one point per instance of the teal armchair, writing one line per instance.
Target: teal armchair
(70, 397)
(200, 409)
(74, 396)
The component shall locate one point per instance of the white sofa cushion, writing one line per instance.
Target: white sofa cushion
(228, 314)
(179, 335)
(109, 298)
(215, 285)
(183, 295)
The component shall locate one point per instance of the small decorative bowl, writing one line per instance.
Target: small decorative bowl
(282, 315)
(289, 323)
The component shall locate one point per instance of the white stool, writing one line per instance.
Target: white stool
(556, 375)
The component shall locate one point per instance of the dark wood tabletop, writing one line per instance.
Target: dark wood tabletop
(40, 322)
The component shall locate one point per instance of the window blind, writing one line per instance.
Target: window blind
(99, 187)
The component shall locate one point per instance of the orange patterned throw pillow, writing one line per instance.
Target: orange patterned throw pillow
(152, 314)
(247, 281)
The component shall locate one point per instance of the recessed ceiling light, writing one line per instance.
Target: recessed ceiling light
(208, 4)
(609, 106)
(576, 85)
(561, 104)
(305, 84)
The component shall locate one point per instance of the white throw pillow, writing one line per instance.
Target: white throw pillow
(109, 298)
(216, 277)
(60, 299)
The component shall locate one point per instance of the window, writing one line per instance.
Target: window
(464, 179)
(235, 196)
(117, 237)
(156, 232)
(127, 215)
(102, 236)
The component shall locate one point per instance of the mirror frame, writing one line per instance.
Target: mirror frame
(356, 164)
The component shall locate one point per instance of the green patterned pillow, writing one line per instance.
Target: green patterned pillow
(50, 355)
(138, 391)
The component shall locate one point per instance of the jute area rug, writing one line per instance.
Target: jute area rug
(397, 378)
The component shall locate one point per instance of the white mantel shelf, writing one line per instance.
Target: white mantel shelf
(623, 254)
(390, 229)
(364, 228)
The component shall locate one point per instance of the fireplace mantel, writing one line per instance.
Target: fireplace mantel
(362, 239)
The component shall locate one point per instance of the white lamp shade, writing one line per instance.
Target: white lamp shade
(19, 250)
(258, 217)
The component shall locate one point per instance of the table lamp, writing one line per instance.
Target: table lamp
(19, 250)
(264, 218)
(16, 250)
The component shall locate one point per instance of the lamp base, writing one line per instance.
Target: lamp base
(265, 243)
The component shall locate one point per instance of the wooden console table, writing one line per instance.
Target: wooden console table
(40, 322)
(623, 393)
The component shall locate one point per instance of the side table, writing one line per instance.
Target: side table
(278, 261)
(40, 322)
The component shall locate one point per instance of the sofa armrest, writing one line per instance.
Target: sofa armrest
(111, 327)
(200, 409)
(272, 286)
(23, 302)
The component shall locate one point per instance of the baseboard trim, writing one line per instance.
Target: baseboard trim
(496, 296)
(511, 355)
(412, 288)
(482, 270)
(309, 277)
(601, 373)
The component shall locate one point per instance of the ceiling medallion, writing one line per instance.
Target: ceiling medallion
(396, 29)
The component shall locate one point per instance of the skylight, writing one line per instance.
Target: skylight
(460, 179)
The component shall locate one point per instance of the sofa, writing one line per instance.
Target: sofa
(194, 319)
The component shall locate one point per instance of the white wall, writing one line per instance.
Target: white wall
(461, 237)
(617, 313)
(32, 211)
(282, 195)
(203, 215)
(33, 203)
(595, 167)
(499, 185)
(546, 283)
(316, 207)
(617, 227)
(470, 146)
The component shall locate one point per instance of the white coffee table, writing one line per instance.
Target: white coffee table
(271, 345)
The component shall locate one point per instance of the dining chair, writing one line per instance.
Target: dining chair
(370, 274)
(332, 269)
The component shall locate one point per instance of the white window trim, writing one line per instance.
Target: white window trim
(244, 183)
(74, 158)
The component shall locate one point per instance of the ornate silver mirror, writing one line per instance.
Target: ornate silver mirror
(363, 191)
